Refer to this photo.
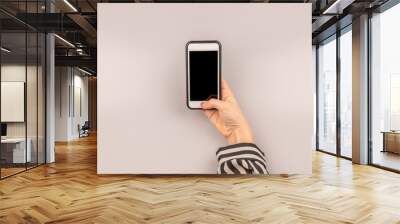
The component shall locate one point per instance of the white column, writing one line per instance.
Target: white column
(50, 92)
(50, 99)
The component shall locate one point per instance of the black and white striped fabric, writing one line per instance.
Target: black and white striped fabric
(242, 158)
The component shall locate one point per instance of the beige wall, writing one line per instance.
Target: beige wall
(71, 86)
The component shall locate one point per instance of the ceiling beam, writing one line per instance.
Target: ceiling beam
(82, 61)
(84, 24)
(337, 7)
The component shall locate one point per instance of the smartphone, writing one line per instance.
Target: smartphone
(203, 72)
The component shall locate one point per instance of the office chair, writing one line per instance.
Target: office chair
(84, 130)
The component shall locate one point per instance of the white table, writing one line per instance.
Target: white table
(19, 155)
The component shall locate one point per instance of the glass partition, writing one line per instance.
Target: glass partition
(32, 95)
(22, 77)
(13, 110)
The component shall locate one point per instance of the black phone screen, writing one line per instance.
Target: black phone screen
(203, 67)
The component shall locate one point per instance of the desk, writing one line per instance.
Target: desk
(391, 141)
(13, 150)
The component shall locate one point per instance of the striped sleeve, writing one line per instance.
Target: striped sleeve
(242, 158)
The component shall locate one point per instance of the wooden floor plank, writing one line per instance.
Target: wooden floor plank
(70, 191)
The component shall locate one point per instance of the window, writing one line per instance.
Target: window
(334, 106)
(394, 102)
(385, 89)
(327, 96)
(346, 93)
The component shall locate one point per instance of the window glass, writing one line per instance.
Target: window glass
(385, 88)
(327, 96)
(15, 151)
(22, 90)
(346, 94)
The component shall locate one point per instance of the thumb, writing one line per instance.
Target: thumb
(212, 104)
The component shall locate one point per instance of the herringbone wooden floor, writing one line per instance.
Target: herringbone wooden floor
(69, 191)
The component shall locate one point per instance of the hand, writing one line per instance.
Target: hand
(227, 117)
